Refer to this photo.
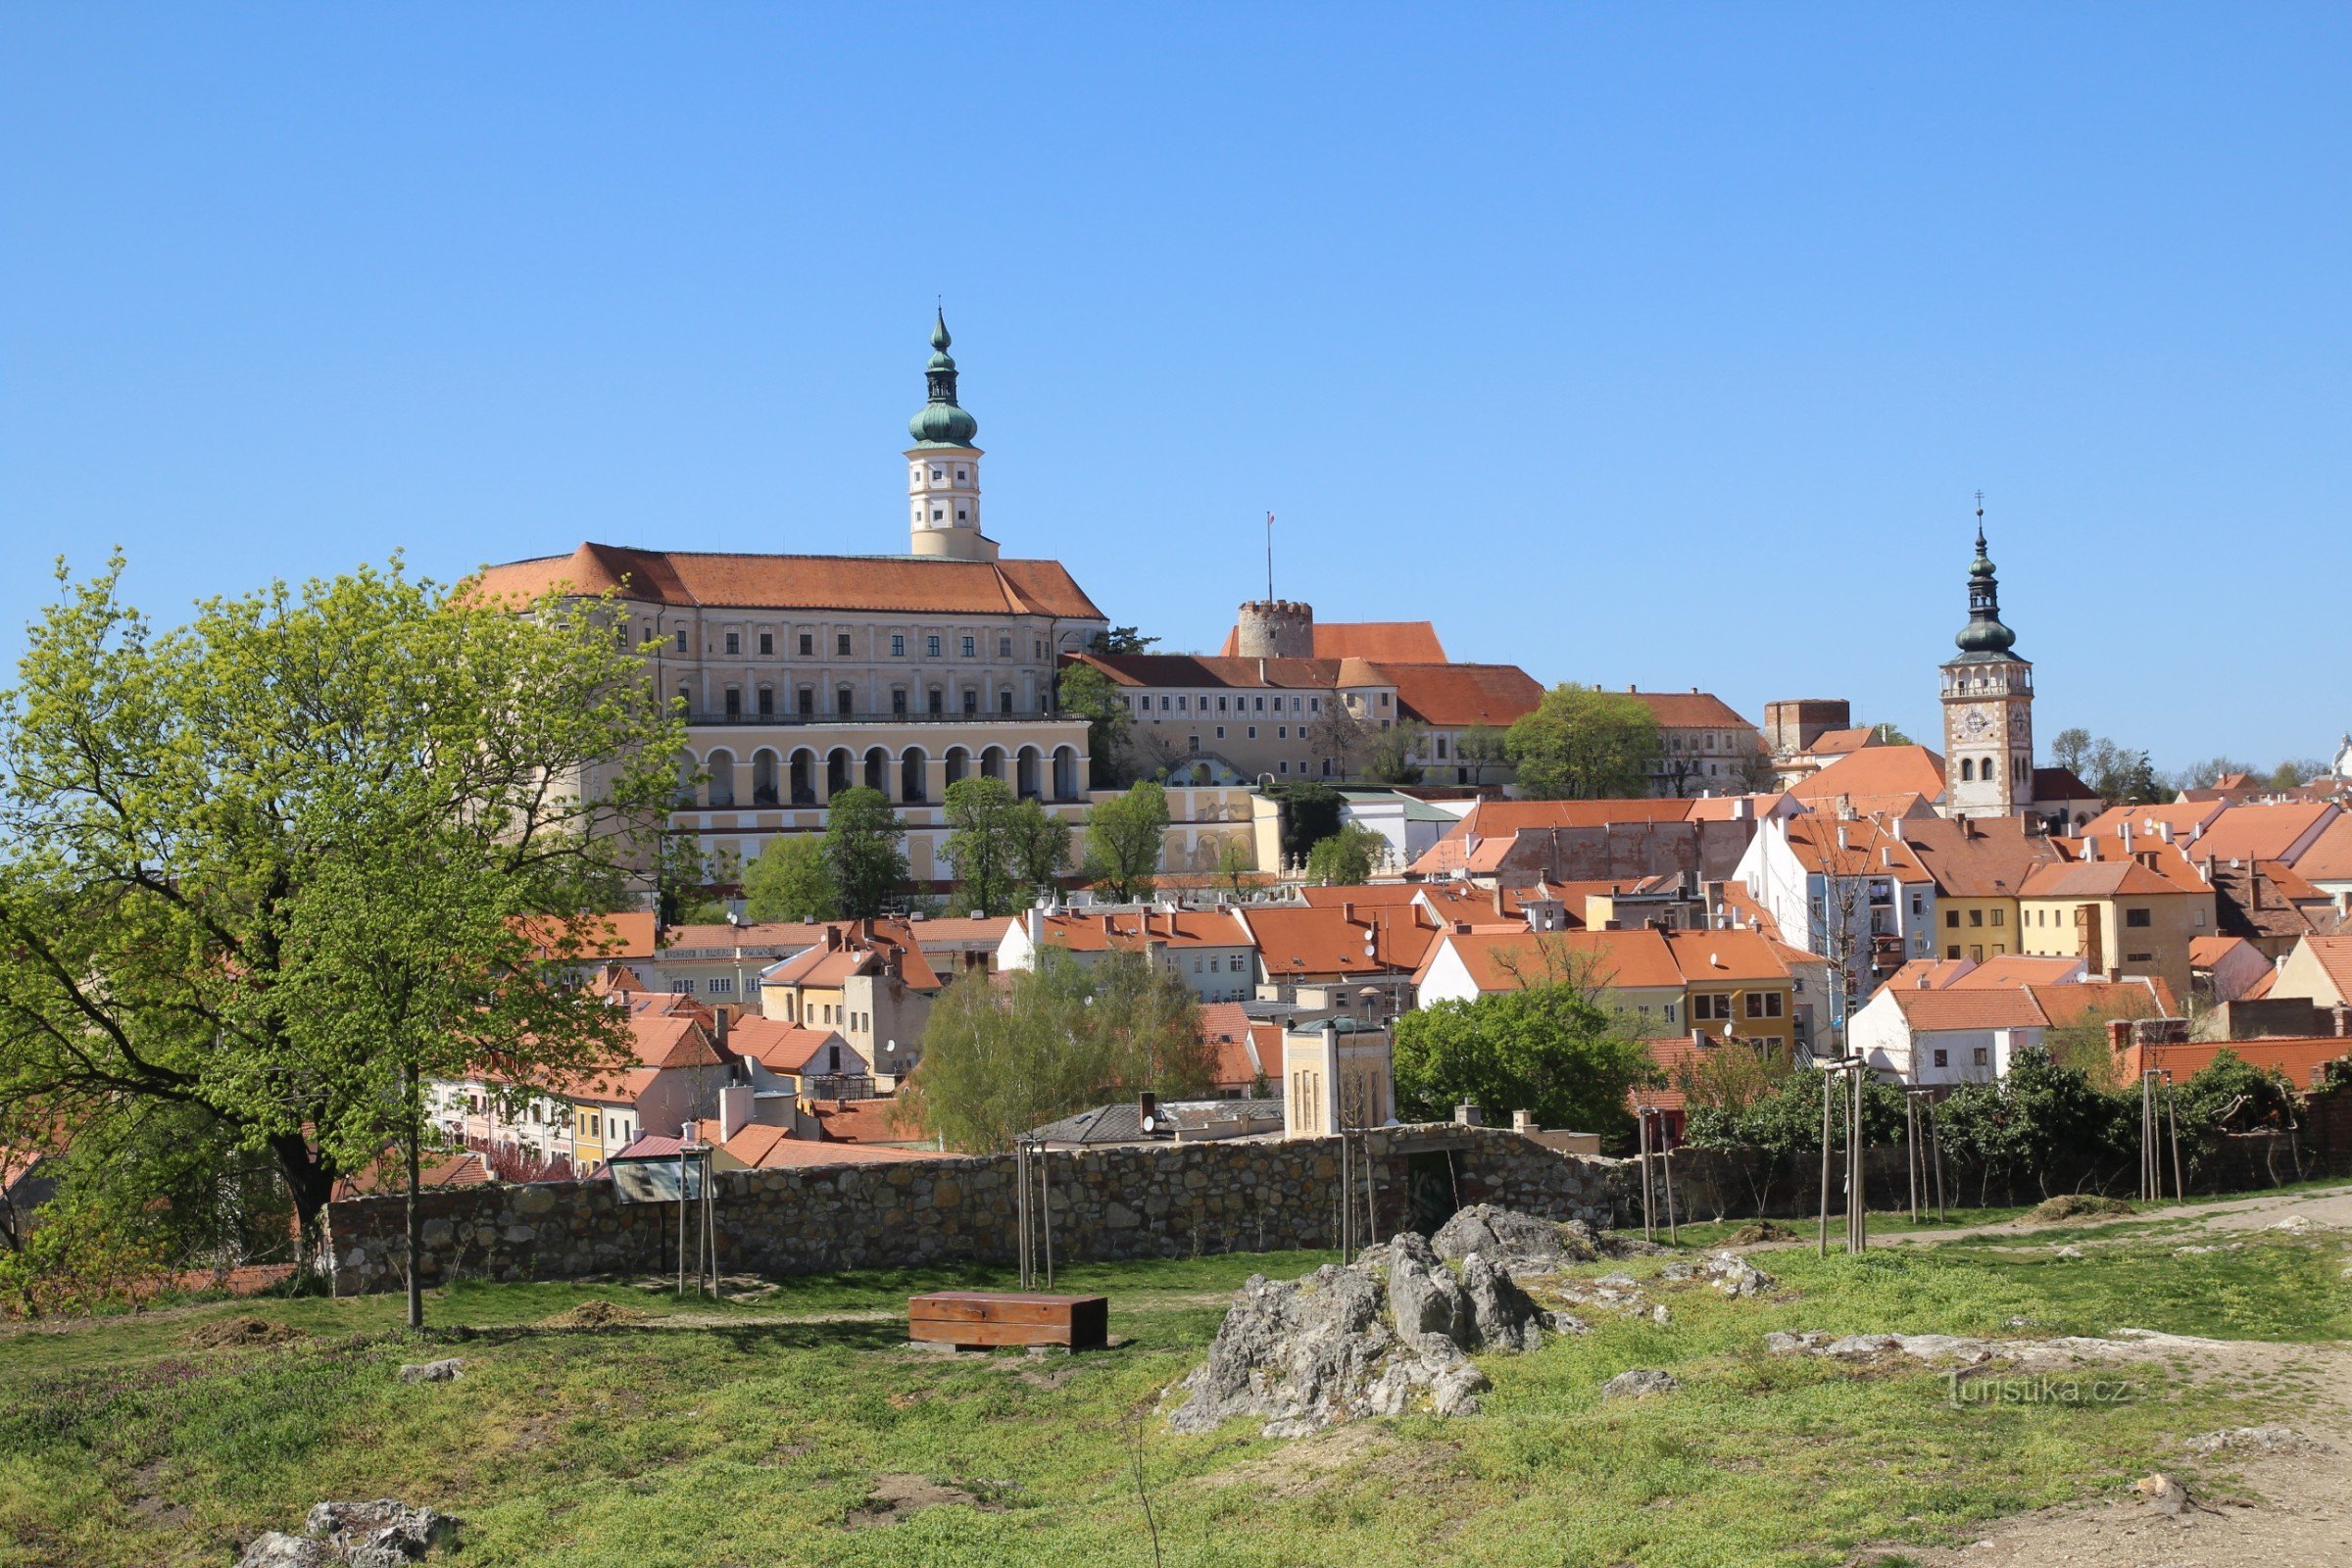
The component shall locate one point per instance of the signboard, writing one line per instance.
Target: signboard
(655, 1181)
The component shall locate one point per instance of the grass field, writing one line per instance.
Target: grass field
(757, 1435)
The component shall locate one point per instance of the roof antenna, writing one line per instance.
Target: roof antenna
(1270, 558)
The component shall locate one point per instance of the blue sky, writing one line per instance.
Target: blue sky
(1644, 344)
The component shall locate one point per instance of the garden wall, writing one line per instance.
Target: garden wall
(1126, 1203)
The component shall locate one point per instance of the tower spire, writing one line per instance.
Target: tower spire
(943, 473)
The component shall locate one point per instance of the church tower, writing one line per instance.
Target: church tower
(1988, 706)
(943, 467)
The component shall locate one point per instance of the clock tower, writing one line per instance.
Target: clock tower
(1988, 706)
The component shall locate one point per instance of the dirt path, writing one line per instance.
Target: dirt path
(2329, 1208)
(2252, 1508)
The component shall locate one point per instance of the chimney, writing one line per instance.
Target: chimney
(2196, 831)
(2090, 848)
(1034, 918)
(720, 1015)
(2164, 831)
(1523, 1123)
(2122, 837)
(1841, 844)
(832, 939)
(1467, 1114)
(1146, 1105)
(2340, 1019)
(1347, 911)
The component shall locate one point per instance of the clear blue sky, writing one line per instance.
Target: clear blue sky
(1640, 344)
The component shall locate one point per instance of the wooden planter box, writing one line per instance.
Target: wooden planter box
(973, 1320)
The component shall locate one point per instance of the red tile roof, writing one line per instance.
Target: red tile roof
(764, 1148)
(2096, 879)
(2301, 1057)
(858, 1122)
(1931, 1010)
(1876, 771)
(1298, 941)
(1629, 960)
(762, 936)
(2334, 956)
(2330, 858)
(2140, 998)
(1976, 857)
(784, 1048)
(906, 583)
(625, 935)
(1725, 957)
(2018, 970)
(1458, 696)
(1408, 640)
(1246, 1051)
(1133, 930)
(1255, 675)
(1693, 710)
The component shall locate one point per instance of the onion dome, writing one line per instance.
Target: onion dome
(1984, 637)
(939, 422)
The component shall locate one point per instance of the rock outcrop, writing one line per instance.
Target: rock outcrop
(383, 1534)
(1639, 1382)
(1728, 1272)
(1389, 1332)
(1955, 1350)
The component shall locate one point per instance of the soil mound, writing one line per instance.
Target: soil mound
(597, 1315)
(1762, 1231)
(2077, 1205)
(242, 1332)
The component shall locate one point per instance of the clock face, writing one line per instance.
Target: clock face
(1976, 724)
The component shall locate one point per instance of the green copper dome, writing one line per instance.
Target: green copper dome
(939, 422)
(1984, 637)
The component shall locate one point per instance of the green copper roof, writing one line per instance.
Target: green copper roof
(939, 422)
(1984, 637)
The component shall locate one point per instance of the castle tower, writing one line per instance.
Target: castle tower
(943, 467)
(1274, 628)
(1988, 706)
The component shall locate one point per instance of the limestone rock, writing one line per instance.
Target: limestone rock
(1728, 1272)
(1423, 1295)
(1501, 1316)
(1520, 1243)
(2258, 1440)
(1638, 1383)
(383, 1534)
(277, 1550)
(446, 1370)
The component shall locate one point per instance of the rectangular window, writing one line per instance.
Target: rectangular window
(1984, 1056)
(1163, 705)
(1180, 703)
(935, 701)
(1282, 767)
(971, 699)
(898, 645)
(841, 645)
(1315, 704)
(2137, 918)
(2000, 917)
(1005, 702)
(1944, 1058)
(808, 702)
(1261, 705)
(841, 701)
(970, 647)
(1282, 732)
(931, 645)
(767, 702)
(767, 642)
(1253, 732)
(2139, 958)
(681, 634)
(1220, 732)
(734, 642)
(734, 703)
(1951, 917)
(1711, 1005)
(1003, 648)
(808, 645)
(1976, 917)
(898, 701)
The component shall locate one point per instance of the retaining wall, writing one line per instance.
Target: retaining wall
(1128, 1202)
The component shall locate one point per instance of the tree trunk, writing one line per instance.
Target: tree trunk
(414, 1224)
(310, 1183)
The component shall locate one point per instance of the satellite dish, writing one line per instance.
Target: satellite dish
(1151, 1124)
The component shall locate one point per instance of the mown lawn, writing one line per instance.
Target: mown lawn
(749, 1442)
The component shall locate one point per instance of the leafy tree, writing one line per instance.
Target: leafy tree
(2228, 1095)
(1310, 813)
(864, 839)
(1388, 757)
(1006, 1055)
(1237, 858)
(1482, 746)
(1123, 837)
(1583, 744)
(2043, 1123)
(683, 883)
(1892, 735)
(1040, 842)
(1347, 857)
(980, 844)
(1732, 1076)
(2083, 1045)
(2140, 784)
(1086, 693)
(1122, 640)
(2211, 771)
(790, 880)
(285, 864)
(1553, 1050)
(1782, 1123)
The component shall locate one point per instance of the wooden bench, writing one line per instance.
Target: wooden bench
(977, 1319)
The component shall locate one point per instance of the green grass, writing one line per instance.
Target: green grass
(747, 1440)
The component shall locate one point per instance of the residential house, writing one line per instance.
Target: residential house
(788, 1064)
(1374, 949)
(1636, 969)
(1209, 949)
(1979, 865)
(1247, 1053)
(2132, 914)
(1922, 1035)
(868, 981)
(1736, 985)
(1847, 887)
(723, 963)
(2269, 904)
(2319, 970)
(2224, 969)
(1705, 748)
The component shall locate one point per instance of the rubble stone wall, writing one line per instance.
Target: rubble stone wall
(1159, 1201)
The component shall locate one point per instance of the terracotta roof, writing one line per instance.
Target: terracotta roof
(1255, 675)
(2206, 951)
(1870, 849)
(1690, 711)
(2140, 998)
(2261, 987)
(1630, 961)
(1929, 975)
(2330, 858)
(1707, 958)
(912, 585)
(1451, 903)
(2184, 816)
(2264, 832)
(1244, 1051)
(1933, 1011)
(866, 947)
(672, 1040)
(390, 1174)
(941, 930)
(1876, 770)
(1838, 742)
(1458, 696)
(2096, 879)
(628, 934)
(1976, 857)
(2334, 956)
(766, 1147)
(1735, 900)
(785, 1047)
(858, 1122)
(2300, 1056)
(1298, 941)
(2018, 970)
(1410, 641)
(1133, 930)
(762, 936)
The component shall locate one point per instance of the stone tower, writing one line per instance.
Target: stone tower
(1274, 628)
(943, 467)
(1988, 706)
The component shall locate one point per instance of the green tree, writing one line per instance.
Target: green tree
(1310, 813)
(1388, 753)
(863, 848)
(790, 880)
(1892, 735)
(1581, 744)
(1122, 640)
(1041, 848)
(1347, 857)
(1237, 858)
(288, 863)
(1007, 1054)
(1552, 1050)
(1123, 837)
(1084, 691)
(1481, 748)
(980, 843)
(2043, 1123)
(684, 881)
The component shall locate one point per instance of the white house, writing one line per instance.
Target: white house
(1927, 1036)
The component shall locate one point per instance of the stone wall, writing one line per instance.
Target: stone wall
(1110, 1204)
